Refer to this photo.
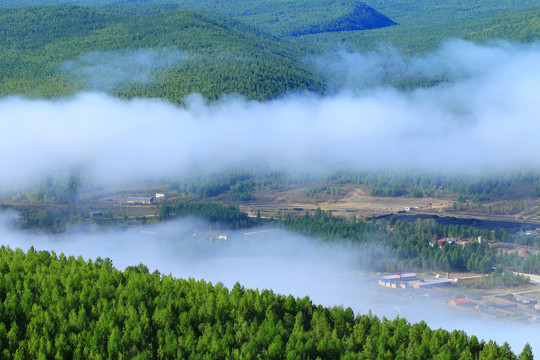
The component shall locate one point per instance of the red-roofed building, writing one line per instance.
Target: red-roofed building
(461, 302)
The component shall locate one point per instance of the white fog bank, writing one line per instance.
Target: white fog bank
(486, 119)
(277, 260)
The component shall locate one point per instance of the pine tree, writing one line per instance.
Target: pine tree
(526, 354)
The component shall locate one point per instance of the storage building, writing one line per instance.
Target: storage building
(140, 200)
(426, 284)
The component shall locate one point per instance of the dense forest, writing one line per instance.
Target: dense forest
(401, 247)
(53, 306)
(256, 49)
(423, 25)
(398, 245)
(277, 17)
(52, 51)
(241, 185)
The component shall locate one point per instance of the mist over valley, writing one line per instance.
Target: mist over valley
(173, 170)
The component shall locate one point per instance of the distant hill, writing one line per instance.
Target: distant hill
(57, 50)
(431, 12)
(278, 17)
(357, 17)
(255, 48)
(416, 35)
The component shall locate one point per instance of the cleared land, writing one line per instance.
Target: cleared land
(345, 201)
(356, 200)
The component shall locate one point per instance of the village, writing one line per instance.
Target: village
(512, 304)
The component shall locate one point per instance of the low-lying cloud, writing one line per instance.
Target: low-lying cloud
(454, 60)
(275, 259)
(105, 70)
(486, 119)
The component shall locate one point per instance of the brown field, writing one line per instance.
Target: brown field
(352, 200)
(356, 200)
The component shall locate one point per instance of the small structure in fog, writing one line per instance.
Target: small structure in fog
(228, 236)
(140, 200)
(461, 302)
(397, 281)
(427, 284)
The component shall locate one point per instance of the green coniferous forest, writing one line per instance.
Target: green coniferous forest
(223, 56)
(65, 307)
(254, 49)
(58, 307)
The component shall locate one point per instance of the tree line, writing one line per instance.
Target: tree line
(240, 185)
(55, 306)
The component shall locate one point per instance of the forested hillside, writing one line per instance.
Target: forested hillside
(424, 26)
(278, 17)
(173, 48)
(241, 185)
(64, 307)
(356, 17)
(46, 51)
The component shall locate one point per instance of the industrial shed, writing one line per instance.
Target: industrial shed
(140, 200)
(401, 277)
(427, 284)
(397, 281)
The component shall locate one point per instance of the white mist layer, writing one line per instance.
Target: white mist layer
(454, 59)
(485, 120)
(104, 70)
(277, 260)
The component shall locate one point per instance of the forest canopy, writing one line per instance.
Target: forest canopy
(53, 306)
(209, 54)
(254, 49)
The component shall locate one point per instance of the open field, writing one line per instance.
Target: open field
(356, 200)
(342, 200)
(351, 200)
